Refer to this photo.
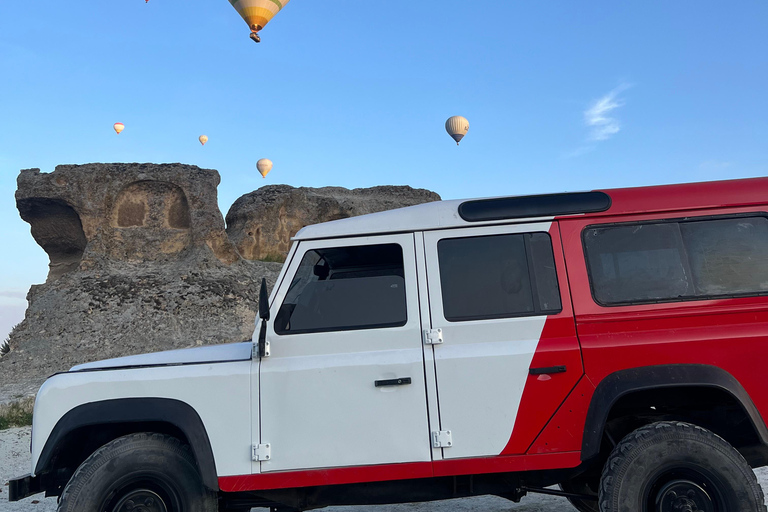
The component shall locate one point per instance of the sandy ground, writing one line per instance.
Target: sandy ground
(15, 461)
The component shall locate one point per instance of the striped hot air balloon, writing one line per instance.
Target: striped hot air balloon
(457, 127)
(257, 13)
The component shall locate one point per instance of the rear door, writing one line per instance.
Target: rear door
(344, 382)
(500, 299)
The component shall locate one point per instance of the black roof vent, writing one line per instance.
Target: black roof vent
(547, 205)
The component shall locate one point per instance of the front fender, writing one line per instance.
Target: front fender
(209, 403)
(135, 410)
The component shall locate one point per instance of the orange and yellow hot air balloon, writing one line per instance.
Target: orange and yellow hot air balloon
(118, 127)
(203, 139)
(264, 166)
(257, 13)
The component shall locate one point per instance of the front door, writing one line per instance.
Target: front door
(343, 384)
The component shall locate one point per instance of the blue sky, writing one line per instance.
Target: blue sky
(560, 95)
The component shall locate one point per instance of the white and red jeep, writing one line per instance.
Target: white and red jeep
(612, 342)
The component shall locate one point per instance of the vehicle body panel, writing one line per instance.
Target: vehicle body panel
(198, 385)
(729, 333)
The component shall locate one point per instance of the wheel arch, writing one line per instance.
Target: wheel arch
(636, 381)
(119, 417)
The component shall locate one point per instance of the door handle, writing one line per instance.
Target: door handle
(547, 370)
(402, 381)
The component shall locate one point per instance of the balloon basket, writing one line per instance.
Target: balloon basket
(255, 37)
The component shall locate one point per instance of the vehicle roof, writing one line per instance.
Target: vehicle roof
(623, 201)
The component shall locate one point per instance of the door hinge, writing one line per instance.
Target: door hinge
(260, 452)
(433, 336)
(442, 439)
(255, 350)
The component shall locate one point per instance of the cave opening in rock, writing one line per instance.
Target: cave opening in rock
(57, 228)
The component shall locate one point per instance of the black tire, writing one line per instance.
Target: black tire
(582, 486)
(155, 471)
(674, 466)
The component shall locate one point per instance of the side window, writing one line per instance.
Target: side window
(499, 276)
(728, 256)
(637, 263)
(345, 288)
(683, 260)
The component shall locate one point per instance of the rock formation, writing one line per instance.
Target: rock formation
(84, 216)
(139, 262)
(261, 223)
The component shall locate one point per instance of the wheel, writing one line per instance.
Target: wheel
(580, 485)
(678, 467)
(138, 473)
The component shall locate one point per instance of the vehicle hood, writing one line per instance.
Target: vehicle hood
(198, 355)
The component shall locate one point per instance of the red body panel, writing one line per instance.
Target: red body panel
(688, 196)
(730, 333)
(334, 476)
(558, 345)
(388, 472)
(565, 431)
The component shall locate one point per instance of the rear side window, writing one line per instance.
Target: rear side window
(498, 276)
(677, 260)
(345, 288)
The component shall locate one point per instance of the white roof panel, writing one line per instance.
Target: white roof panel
(421, 217)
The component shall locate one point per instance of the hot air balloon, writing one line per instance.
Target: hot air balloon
(264, 166)
(203, 139)
(457, 127)
(119, 127)
(257, 13)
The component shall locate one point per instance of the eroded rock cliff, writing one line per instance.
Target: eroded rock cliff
(139, 262)
(261, 223)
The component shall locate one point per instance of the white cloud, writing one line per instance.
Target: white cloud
(598, 115)
(714, 165)
(13, 294)
(10, 315)
(583, 150)
(13, 297)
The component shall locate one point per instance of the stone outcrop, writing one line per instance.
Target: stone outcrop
(139, 262)
(261, 223)
(85, 216)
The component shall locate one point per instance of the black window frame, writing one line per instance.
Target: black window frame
(537, 310)
(390, 325)
(677, 220)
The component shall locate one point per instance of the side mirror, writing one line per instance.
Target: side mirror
(263, 300)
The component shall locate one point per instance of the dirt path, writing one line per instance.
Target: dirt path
(14, 461)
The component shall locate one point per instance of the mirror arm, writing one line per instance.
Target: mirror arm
(264, 315)
(263, 339)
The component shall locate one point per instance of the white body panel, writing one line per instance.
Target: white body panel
(319, 405)
(430, 376)
(211, 354)
(482, 365)
(220, 393)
